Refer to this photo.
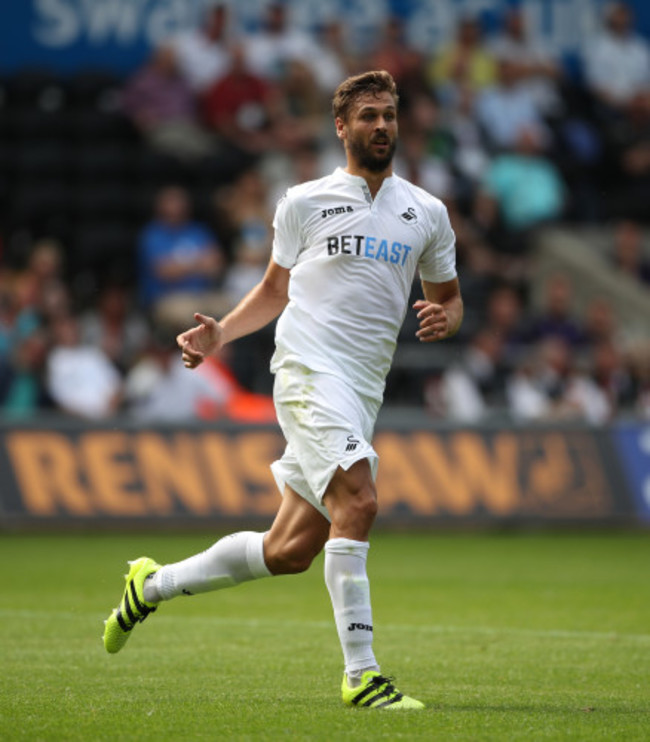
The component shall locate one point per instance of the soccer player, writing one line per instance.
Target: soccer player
(345, 253)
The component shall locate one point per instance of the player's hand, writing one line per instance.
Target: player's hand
(434, 323)
(200, 341)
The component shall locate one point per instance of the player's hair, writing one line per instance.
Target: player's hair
(375, 82)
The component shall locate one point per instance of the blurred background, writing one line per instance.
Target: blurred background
(143, 147)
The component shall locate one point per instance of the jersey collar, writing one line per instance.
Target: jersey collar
(360, 181)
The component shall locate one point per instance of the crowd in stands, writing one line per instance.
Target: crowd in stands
(493, 124)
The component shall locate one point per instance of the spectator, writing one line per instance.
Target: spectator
(180, 263)
(22, 384)
(335, 62)
(556, 320)
(628, 141)
(526, 186)
(638, 359)
(162, 106)
(305, 163)
(536, 68)
(422, 168)
(547, 386)
(617, 61)
(479, 266)
(81, 379)
(503, 318)
(113, 326)
(629, 254)
(246, 215)
(464, 63)
(44, 268)
(300, 118)
(32, 296)
(469, 389)
(600, 322)
(19, 316)
(612, 378)
(270, 49)
(158, 386)
(242, 109)
(506, 109)
(393, 54)
(203, 54)
(470, 156)
(426, 148)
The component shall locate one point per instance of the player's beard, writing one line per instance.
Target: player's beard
(367, 159)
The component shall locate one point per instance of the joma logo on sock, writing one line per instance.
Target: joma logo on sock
(360, 627)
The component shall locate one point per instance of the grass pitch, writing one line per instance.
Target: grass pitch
(505, 637)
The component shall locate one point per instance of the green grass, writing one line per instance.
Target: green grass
(505, 637)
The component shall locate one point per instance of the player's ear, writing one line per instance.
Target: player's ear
(341, 130)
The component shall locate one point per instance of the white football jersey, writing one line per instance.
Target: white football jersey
(353, 260)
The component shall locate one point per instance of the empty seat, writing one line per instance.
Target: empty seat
(36, 88)
(93, 163)
(42, 160)
(101, 126)
(157, 169)
(101, 243)
(102, 201)
(95, 89)
(33, 125)
(38, 198)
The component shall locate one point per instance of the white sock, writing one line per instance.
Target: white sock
(234, 559)
(347, 582)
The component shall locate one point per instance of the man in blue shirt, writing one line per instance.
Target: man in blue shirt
(180, 262)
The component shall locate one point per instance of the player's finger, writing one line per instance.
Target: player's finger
(182, 339)
(430, 310)
(203, 319)
(432, 320)
(191, 352)
(192, 361)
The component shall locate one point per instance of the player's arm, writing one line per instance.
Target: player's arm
(259, 307)
(440, 312)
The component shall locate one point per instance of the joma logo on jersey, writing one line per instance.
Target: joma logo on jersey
(368, 247)
(335, 210)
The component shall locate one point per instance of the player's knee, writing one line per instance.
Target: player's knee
(354, 514)
(288, 558)
(364, 505)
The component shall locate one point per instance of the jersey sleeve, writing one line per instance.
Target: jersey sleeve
(287, 238)
(438, 261)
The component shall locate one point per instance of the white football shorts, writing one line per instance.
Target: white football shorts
(327, 424)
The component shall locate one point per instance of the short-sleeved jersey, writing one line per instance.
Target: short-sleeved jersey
(353, 260)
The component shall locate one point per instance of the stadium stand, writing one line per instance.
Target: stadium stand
(75, 168)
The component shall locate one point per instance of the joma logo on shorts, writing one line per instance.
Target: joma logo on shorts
(360, 627)
(335, 210)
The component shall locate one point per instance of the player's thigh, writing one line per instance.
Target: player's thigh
(298, 534)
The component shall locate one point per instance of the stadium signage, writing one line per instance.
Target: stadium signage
(437, 475)
(69, 35)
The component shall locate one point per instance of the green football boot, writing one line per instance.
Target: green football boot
(133, 608)
(376, 692)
